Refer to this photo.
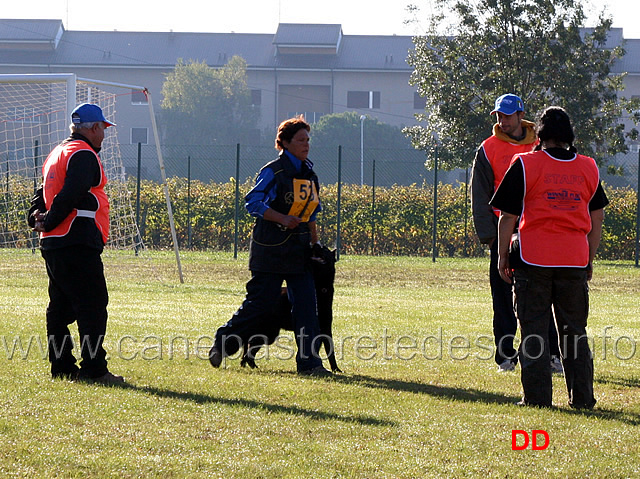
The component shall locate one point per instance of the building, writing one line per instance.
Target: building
(302, 68)
(310, 69)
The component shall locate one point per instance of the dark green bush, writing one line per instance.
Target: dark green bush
(401, 221)
(400, 224)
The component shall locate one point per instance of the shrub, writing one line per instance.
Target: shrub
(400, 223)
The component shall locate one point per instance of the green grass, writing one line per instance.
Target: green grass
(387, 416)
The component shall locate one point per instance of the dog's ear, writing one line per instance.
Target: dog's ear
(333, 255)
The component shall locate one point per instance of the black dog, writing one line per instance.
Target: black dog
(323, 262)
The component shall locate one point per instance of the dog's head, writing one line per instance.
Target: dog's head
(323, 255)
(323, 261)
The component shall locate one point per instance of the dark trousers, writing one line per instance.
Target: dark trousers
(77, 293)
(566, 289)
(504, 319)
(263, 290)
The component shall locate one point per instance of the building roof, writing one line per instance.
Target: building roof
(630, 63)
(163, 49)
(308, 34)
(294, 46)
(30, 33)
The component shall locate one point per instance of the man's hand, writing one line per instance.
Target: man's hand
(39, 225)
(506, 273)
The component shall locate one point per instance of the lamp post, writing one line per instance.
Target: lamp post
(362, 118)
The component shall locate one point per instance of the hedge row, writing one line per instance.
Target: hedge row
(392, 221)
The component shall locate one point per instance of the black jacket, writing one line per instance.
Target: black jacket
(273, 248)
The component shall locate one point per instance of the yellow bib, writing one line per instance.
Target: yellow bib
(305, 199)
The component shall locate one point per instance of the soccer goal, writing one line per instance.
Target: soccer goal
(35, 112)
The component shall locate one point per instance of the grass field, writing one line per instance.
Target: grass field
(419, 397)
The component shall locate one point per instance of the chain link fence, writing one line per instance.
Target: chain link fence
(373, 167)
(375, 170)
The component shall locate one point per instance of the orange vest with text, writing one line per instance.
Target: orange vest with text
(54, 173)
(499, 153)
(555, 218)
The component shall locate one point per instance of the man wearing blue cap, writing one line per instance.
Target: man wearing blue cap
(512, 134)
(70, 211)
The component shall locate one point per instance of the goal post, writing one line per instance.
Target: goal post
(35, 113)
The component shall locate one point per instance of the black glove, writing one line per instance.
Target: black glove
(37, 206)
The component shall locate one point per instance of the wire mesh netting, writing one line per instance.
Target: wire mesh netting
(34, 118)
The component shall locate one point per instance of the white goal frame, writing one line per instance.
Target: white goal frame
(35, 112)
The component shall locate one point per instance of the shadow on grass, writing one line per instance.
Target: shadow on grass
(263, 406)
(458, 394)
(627, 417)
(624, 382)
(474, 395)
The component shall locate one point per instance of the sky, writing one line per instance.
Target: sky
(357, 17)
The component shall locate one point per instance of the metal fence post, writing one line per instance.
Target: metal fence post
(338, 203)
(36, 155)
(466, 212)
(138, 197)
(373, 207)
(237, 206)
(434, 251)
(189, 201)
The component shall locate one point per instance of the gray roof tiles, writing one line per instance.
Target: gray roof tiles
(631, 61)
(308, 34)
(163, 49)
(14, 30)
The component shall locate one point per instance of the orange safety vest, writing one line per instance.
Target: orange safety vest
(54, 172)
(555, 218)
(499, 153)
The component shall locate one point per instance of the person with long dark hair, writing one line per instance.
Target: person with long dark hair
(555, 195)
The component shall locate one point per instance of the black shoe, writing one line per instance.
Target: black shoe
(522, 402)
(107, 379)
(71, 376)
(215, 357)
(318, 371)
(586, 407)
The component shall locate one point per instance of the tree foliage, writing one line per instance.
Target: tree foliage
(204, 106)
(537, 49)
(344, 129)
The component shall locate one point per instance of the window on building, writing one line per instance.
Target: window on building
(139, 135)
(256, 97)
(138, 97)
(363, 99)
(636, 97)
(419, 102)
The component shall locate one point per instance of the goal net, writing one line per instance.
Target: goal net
(35, 113)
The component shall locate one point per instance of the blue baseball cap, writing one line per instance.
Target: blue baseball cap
(508, 104)
(89, 113)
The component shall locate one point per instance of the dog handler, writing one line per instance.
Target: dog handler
(557, 195)
(285, 203)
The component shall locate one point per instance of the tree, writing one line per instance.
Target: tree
(537, 49)
(344, 129)
(204, 106)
